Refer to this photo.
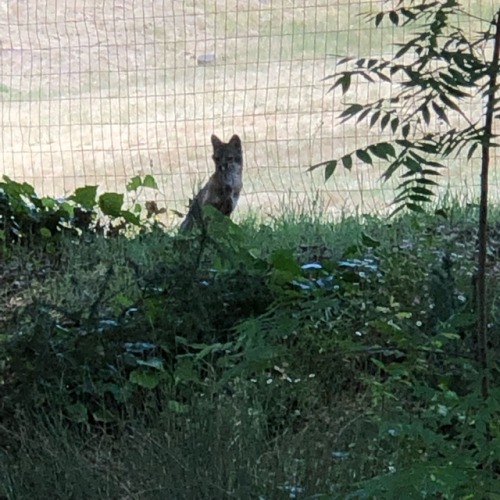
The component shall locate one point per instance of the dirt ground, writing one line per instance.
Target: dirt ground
(95, 92)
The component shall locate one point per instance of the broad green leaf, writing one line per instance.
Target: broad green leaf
(145, 378)
(48, 202)
(68, 208)
(111, 204)
(284, 260)
(135, 183)
(130, 217)
(45, 232)
(85, 196)
(185, 371)
(149, 182)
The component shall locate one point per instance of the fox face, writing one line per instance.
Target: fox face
(222, 191)
(227, 157)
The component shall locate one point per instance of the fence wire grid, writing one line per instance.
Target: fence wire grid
(97, 91)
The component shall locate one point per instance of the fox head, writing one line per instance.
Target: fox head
(228, 157)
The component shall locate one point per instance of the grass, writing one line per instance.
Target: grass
(123, 95)
(306, 412)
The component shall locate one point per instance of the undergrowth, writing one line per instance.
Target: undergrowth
(292, 359)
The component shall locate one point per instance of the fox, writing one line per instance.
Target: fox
(223, 189)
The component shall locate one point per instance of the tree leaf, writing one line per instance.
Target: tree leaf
(408, 14)
(364, 156)
(145, 378)
(374, 118)
(421, 190)
(363, 115)
(383, 150)
(471, 151)
(415, 208)
(378, 18)
(111, 204)
(385, 121)
(418, 198)
(427, 182)
(330, 168)
(344, 81)
(440, 112)
(394, 18)
(368, 241)
(387, 148)
(134, 184)
(347, 162)
(352, 110)
(426, 115)
(85, 196)
(448, 102)
(149, 182)
(131, 218)
(394, 124)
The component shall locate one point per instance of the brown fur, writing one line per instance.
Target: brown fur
(222, 191)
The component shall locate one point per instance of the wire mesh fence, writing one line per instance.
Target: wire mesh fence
(97, 91)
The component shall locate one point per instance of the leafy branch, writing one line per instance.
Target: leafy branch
(436, 71)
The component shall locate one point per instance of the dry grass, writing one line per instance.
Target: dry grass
(95, 92)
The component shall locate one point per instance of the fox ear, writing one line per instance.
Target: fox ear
(235, 141)
(216, 142)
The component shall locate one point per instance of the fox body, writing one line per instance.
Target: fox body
(222, 190)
